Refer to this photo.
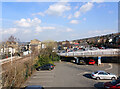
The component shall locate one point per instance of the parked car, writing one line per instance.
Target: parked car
(92, 61)
(82, 62)
(34, 87)
(103, 75)
(64, 51)
(115, 84)
(46, 67)
(73, 61)
(75, 49)
(70, 51)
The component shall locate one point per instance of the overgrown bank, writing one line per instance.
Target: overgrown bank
(18, 72)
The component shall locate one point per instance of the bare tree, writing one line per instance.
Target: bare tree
(13, 39)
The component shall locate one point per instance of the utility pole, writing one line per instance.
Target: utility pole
(11, 57)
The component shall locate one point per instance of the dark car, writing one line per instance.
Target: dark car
(33, 87)
(46, 67)
(115, 84)
(82, 62)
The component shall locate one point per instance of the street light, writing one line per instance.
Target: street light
(11, 57)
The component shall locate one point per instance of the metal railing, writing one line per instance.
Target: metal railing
(101, 52)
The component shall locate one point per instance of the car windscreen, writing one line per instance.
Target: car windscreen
(114, 82)
(91, 61)
(96, 72)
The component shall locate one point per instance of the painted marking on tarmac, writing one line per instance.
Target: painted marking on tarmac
(109, 67)
(83, 73)
(40, 81)
(47, 86)
(44, 77)
(45, 71)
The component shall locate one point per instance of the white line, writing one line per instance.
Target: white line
(109, 67)
(83, 73)
(44, 77)
(39, 81)
(47, 86)
(45, 71)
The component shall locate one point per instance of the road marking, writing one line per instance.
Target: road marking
(43, 74)
(40, 81)
(47, 86)
(44, 71)
(109, 67)
(83, 73)
(44, 77)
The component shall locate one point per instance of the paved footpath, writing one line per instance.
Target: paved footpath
(67, 74)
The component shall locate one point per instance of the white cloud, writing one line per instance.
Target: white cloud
(77, 14)
(88, 6)
(48, 28)
(8, 31)
(74, 21)
(27, 22)
(69, 30)
(23, 23)
(41, 29)
(100, 32)
(98, 1)
(38, 29)
(70, 16)
(76, 7)
(58, 9)
(40, 13)
(83, 9)
(26, 31)
(36, 20)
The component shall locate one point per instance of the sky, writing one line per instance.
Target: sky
(58, 20)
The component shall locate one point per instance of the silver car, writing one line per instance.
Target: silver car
(103, 75)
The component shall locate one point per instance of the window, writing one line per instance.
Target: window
(105, 74)
(101, 73)
(118, 84)
(96, 72)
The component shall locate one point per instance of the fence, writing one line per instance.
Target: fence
(101, 52)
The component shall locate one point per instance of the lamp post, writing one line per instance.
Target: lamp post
(11, 57)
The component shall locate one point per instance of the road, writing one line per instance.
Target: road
(67, 74)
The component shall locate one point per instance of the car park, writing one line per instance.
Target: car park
(91, 61)
(82, 62)
(46, 67)
(103, 75)
(115, 84)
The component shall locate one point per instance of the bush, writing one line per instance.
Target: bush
(46, 57)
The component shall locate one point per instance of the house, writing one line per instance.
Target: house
(10, 46)
(35, 45)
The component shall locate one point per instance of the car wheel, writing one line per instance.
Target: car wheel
(97, 78)
(113, 78)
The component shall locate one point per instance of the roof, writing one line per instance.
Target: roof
(100, 71)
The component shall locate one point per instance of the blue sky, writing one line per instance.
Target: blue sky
(58, 20)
